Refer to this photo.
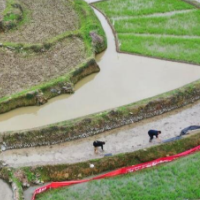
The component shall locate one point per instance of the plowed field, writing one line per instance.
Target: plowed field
(42, 20)
(20, 71)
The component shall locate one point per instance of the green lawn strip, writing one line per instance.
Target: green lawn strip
(180, 49)
(175, 181)
(116, 8)
(179, 24)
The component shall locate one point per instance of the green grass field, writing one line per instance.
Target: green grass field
(162, 47)
(164, 29)
(175, 181)
(116, 8)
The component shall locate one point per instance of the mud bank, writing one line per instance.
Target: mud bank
(101, 122)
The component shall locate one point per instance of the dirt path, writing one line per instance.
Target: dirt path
(134, 137)
(5, 191)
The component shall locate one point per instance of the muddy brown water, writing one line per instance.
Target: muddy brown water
(5, 191)
(123, 79)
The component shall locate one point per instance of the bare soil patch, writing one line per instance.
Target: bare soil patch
(45, 19)
(20, 71)
(2, 6)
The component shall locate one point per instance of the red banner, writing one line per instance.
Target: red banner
(123, 170)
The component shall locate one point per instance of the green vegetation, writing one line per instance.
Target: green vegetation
(178, 24)
(91, 24)
(9, 6)
(117, 8)
(145, 27)
(12, 15)
(175, 181)
(181, 49)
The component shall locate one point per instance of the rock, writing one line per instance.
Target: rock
(79, 175)
(3, 148)
(87, 120)
(96, 38)
(41, 99)
(66, 175)
(113, 112)
(37, 182)
(53, 90)
(67, 89)
(91, 165)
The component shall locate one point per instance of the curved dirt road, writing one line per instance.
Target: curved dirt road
(134, 137)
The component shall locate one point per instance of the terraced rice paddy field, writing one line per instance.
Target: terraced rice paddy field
(43, 41)
(164, 29)
(49, 40)
(175, 181)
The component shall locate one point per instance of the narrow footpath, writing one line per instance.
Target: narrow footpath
(134, 137)
(5, 191)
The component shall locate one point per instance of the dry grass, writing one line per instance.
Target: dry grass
(20, 71)
(47, 18)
